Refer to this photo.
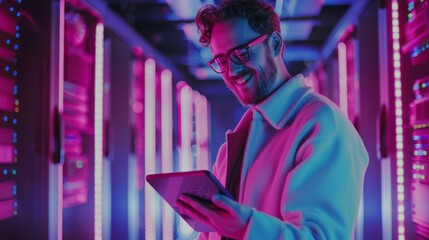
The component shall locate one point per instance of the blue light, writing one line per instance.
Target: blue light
(18, 14)
(5, 118)
(15, 204)
(15, 73)
(14, 140)
(13, 172)
(17, 35)
(16, 47)
(11, 9)
(4, 171)
(14, 121)
(17, 28)
(410, 6)
(15, 89)
(20, 1)
(8, 41)
(15, 135)
(7, 68)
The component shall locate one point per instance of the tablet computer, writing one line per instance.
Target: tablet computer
(200, 183)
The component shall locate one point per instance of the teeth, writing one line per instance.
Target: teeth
(243, 79)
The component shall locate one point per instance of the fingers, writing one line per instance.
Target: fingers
(225, 203)
(187, 209)
(198, 204)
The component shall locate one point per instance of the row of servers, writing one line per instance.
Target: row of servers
(88, 108)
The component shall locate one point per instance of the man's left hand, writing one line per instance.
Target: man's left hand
(228, 217)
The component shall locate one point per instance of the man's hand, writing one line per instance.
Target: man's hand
(228, 217)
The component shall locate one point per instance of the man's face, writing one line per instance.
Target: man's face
(252, 81)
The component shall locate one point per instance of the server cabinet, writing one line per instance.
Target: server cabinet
(414, 65)
(24, 125)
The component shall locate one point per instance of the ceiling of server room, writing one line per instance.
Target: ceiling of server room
(168, 25)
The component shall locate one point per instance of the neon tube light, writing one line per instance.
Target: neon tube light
(98, 132)
(186, 159)
(342, 67)
(398, 121)
(167, 147)
(185, 95)
(201, 125)
(150, 147)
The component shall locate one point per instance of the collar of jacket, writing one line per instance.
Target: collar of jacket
(284, 103)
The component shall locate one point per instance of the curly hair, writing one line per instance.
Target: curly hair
(260, 16)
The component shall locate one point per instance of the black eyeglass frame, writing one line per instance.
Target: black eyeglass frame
(228, 57)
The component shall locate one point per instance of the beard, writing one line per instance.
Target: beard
(266, 85)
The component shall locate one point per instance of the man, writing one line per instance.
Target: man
(294, 163)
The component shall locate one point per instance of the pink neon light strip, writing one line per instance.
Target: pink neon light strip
(201, 119)
(186, 128)
(342, 67)
(167, 147)
(98, 132)
(398, 121)
(186, 159)
(150, 147)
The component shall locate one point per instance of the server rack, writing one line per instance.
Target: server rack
(414, 30)
(24, 122)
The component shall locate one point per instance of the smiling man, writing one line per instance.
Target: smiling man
(294, 164)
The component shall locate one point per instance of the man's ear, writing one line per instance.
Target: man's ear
(276, 43)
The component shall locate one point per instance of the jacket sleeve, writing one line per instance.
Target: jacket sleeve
(322, 192)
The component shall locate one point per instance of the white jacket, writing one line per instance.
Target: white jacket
(303, 169)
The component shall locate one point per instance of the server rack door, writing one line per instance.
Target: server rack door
(24, 124)
(78, 109)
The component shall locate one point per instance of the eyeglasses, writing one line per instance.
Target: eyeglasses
(238, 55)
